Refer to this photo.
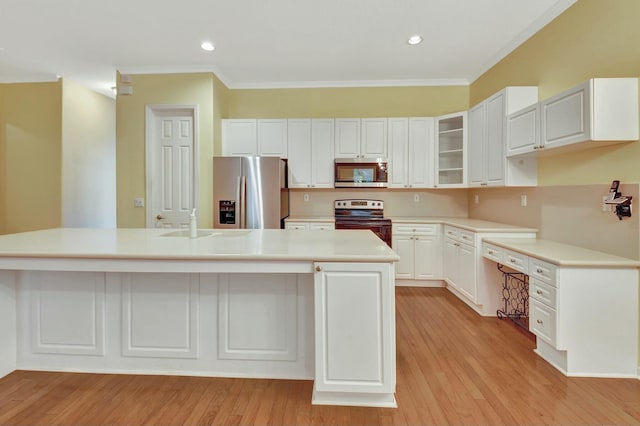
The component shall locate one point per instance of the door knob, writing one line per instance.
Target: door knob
(318, 268)
(159, 217)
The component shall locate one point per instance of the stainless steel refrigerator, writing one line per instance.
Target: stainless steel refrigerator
(250, 192)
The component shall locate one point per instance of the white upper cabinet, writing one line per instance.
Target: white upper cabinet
(310, 143)
(487, 127)
(360, 138)
(597, 112)
(272, 138)
(451, 144)
(264, 137)
(239, 137)
(410, 152)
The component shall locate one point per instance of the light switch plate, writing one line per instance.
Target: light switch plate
(138, 202)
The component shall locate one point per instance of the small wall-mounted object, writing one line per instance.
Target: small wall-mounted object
(125, 90)
(621, 202)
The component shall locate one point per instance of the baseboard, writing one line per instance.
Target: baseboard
(419, 283)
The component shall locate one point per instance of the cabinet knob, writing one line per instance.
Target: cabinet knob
(417, 238)
(539, 291)
(318, 268)
(536, 147)
(490, 251)
(540, 321)
(538, 270)
(512, 260)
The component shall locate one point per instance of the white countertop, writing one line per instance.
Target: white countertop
(474, 225)
(150, 244)
(563, 254)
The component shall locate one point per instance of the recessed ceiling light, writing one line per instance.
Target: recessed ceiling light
(415, 39)
(207, 46)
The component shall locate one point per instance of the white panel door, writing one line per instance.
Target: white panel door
(347, 137)
(398, 139)
(272, 138)
(403, 245)
(322, 145)
(239, 137)
(523, 131)
(495, 130)
(354, 323)
(300, 157)
(373, 143)
(428, 257)
(467, 271)
(477, 145)
(450, 261)
(172, 175)
(421, 149)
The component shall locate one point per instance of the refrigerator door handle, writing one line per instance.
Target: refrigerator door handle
(242, 198)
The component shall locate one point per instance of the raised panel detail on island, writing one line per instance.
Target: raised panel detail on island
(257, 318)
(355, 333)
(67, 312)
(160, 315)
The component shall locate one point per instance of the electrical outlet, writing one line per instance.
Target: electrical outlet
(416, 198)
(523, 200)
(138, 202)
(305, 197)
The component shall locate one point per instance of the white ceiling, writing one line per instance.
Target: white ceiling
(265, 43)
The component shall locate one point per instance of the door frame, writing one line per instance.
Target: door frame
(151, 114)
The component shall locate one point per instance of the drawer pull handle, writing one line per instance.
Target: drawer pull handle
(318, 268)
(540, 321)
(512, 260)
(539, 291)
(490, 251)
(538, 270)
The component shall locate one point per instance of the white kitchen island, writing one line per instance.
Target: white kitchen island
(282, 304)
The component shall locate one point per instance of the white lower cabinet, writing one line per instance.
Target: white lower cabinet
(420, 249)
(460, 261)
(354, 332)
(302, 225)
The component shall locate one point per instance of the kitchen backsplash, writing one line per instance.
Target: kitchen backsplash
(567, 214)
(443, 202)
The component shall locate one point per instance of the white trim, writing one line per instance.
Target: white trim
(354, 399)
(175, 69)
(435, 283)
(549, 15)
(150, 115)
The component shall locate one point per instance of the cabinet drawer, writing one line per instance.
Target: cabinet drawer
(321, 226)
(542, 321)
(544, 271)
(453, 233)
(492, 252)
(416, 229)
(515, 260)
(467, 237)
(542, 292)
(297, 226)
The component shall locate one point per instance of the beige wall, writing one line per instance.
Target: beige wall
(593, 38)
(88, 158)
(348, 102)
(170, 89)
(220, 111)
(30, 161)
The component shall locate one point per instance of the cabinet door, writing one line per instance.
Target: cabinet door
(322, 153)
(420, 152)
(565, 117)
(347, 137)
(428, 257)
(272, 138)
(373, 142)
(451, 143)
(467, 271)
(495, 130)
(398, 152)
(477, 145)
(239, 137)
(299, 164)
(354, 327)
(450, 261)
(404, 247)
(523, 131)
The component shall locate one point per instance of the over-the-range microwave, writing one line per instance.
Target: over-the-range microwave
(361, 173)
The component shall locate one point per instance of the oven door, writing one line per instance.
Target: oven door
(382, 228)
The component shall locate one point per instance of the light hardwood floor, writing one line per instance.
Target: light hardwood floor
(454, 367)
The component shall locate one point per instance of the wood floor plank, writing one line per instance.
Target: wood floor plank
(453, 367)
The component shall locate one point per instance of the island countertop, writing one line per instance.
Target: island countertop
(213, 244)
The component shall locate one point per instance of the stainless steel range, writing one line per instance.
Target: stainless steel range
(363, 214)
